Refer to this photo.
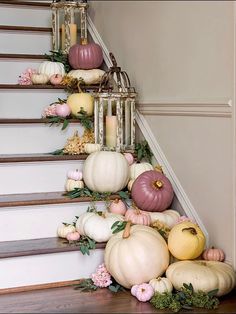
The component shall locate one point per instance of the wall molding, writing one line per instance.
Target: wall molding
(156, 149)
(195, 107)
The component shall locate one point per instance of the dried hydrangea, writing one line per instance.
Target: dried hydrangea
(101, 278)
(25, 77)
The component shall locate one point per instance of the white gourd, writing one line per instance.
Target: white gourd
(88, 76)
(106, 172)
(90, 148)
(72, 184)
(203, 275)
(97, 227)
(138, 168)
(161, 284)
(50, 68)
(39, 78)
(168, 216)
(63, 230)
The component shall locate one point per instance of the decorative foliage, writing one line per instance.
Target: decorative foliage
(143, 152)
(86, 192)
(186, 298)
(26, 77)
(85, 244)
(162, 228)
(59, 56)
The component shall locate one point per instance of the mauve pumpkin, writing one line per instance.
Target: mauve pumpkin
(152, 191)
(88, 56)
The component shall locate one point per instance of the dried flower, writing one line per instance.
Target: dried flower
(25, 77)
(101, 278)
(49, 111)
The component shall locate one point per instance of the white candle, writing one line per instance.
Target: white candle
(73, 35)
(111, 126)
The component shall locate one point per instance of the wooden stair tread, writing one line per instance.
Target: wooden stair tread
(29, 121)
(46, 86)
(30, 199)
(25, 28)
(9, 158)
(22, 56)
(37, 246)
(25, 3)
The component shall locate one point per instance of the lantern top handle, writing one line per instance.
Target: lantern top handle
(117, 76)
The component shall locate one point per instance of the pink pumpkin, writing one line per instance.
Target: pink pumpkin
(138, 217)
(75, 175)
(63, 110)
(73, 236)
(143, 292)
(152, 191)
(129, 157)
(85, 56)
(213, 254)
(56, 79)
(117, 207)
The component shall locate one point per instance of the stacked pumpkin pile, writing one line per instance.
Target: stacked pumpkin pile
(139, 255)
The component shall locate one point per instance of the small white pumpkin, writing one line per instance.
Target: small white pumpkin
(63, 230)
(168, 217)
(90, 148)
(50, 68)
(97, 226)
(161, 284)
(72, 184)
(203, 275)
(88, 76)
(40, 78)
(75, 174)
(138, 168)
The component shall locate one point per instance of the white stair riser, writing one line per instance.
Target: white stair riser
(23, 16)
(48, 268)
(26, 104)
(35, 177)
(35, 222)
(25, 42)
(13, 68)
(34, 138)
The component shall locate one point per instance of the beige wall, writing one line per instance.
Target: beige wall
(174, 52)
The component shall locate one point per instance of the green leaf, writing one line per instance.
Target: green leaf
(115, 224)
(123, 195)
(114, 288)
(212, 293)
(57, 152)
(65, 124)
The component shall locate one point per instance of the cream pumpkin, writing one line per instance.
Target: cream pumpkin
(161, 284)
(203, 275)
(72, 184)
(97, 226)
(105, 172)
(90, 148)
(50, 68)
(92, 76)
(186, 241)
(39, 79)
(64, 230)
(168, 217)
(81, 101)
(138, 168)
(136, 255)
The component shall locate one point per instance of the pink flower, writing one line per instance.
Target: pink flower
(185, 218)
(101, 278)
(49, 111)
(25, 77)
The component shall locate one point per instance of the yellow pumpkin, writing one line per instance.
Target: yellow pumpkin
(80, 101)
(203, 275)
(186, 241)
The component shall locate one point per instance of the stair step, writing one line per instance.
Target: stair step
(22, 56)
(30, 121)
(39, 157)
(15, 28)
(38, 246)
(30, 199)
(25, 3)
(47, 86)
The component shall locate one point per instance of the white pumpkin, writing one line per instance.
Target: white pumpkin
(72, 184)
(138, 168)
(136, 255)
(161, 284)
(96, 226)
(88, 76)
(50, 68)
(39, 78)
(168, 217)
(63, 230)
(90, 148)
(106, 172)
(203, 275)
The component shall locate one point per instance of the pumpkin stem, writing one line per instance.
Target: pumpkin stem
(158, 184)
(78, 85)
(83, 41)
(191, 229)
(137, 210)
(159, 168)
(126, 232)
(116, 201)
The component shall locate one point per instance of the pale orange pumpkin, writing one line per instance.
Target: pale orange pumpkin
(137, 216)
(117, 207)
(213, 254)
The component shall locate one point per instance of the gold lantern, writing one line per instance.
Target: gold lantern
(114, 111)
(66, 15)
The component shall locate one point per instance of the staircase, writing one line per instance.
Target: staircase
(32, 180)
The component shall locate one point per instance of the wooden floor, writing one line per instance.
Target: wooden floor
(68, 300)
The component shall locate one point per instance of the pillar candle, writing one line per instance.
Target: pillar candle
(73, 35)
(111, 126)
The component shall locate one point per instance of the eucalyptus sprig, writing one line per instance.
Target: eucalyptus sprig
(143, 151)
(58, 121)
(85, 120)
(86, 285)
(59, 56)
(86, 192)
(118, 226)
(186, 298)
(85, 244)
